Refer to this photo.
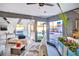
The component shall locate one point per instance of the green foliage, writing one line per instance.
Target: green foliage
(73, 49)
(64, 18)
(73, 46)
(61, 39)
(70, 43)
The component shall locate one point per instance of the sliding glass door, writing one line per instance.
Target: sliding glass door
(41, 31)
(55, 29)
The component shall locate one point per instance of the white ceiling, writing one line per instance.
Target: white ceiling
(35, 9)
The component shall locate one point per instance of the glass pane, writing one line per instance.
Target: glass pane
(55, 29)
(41, 30)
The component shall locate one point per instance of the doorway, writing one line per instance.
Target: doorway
(40, 31)
(55, 31)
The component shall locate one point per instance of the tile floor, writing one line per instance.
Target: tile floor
(52, 51)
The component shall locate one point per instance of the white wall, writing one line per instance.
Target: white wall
(2, 21)
(13, 21)
(11, 27)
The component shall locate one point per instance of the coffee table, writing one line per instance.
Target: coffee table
(17, 50)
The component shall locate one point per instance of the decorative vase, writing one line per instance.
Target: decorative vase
(18, 43)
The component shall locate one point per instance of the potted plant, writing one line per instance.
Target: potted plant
(71, 44)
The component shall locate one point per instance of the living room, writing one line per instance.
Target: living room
(34, 32)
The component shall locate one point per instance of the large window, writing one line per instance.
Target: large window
(19, 30)
(55, 29)
(41, 30)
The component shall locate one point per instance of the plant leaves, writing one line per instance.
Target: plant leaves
(64, 18)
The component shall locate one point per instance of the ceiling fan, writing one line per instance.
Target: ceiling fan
(40, 4)
(6, 20)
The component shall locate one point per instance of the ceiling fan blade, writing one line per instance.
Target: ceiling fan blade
(30, 3)
(6, 20)
(48, 4)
